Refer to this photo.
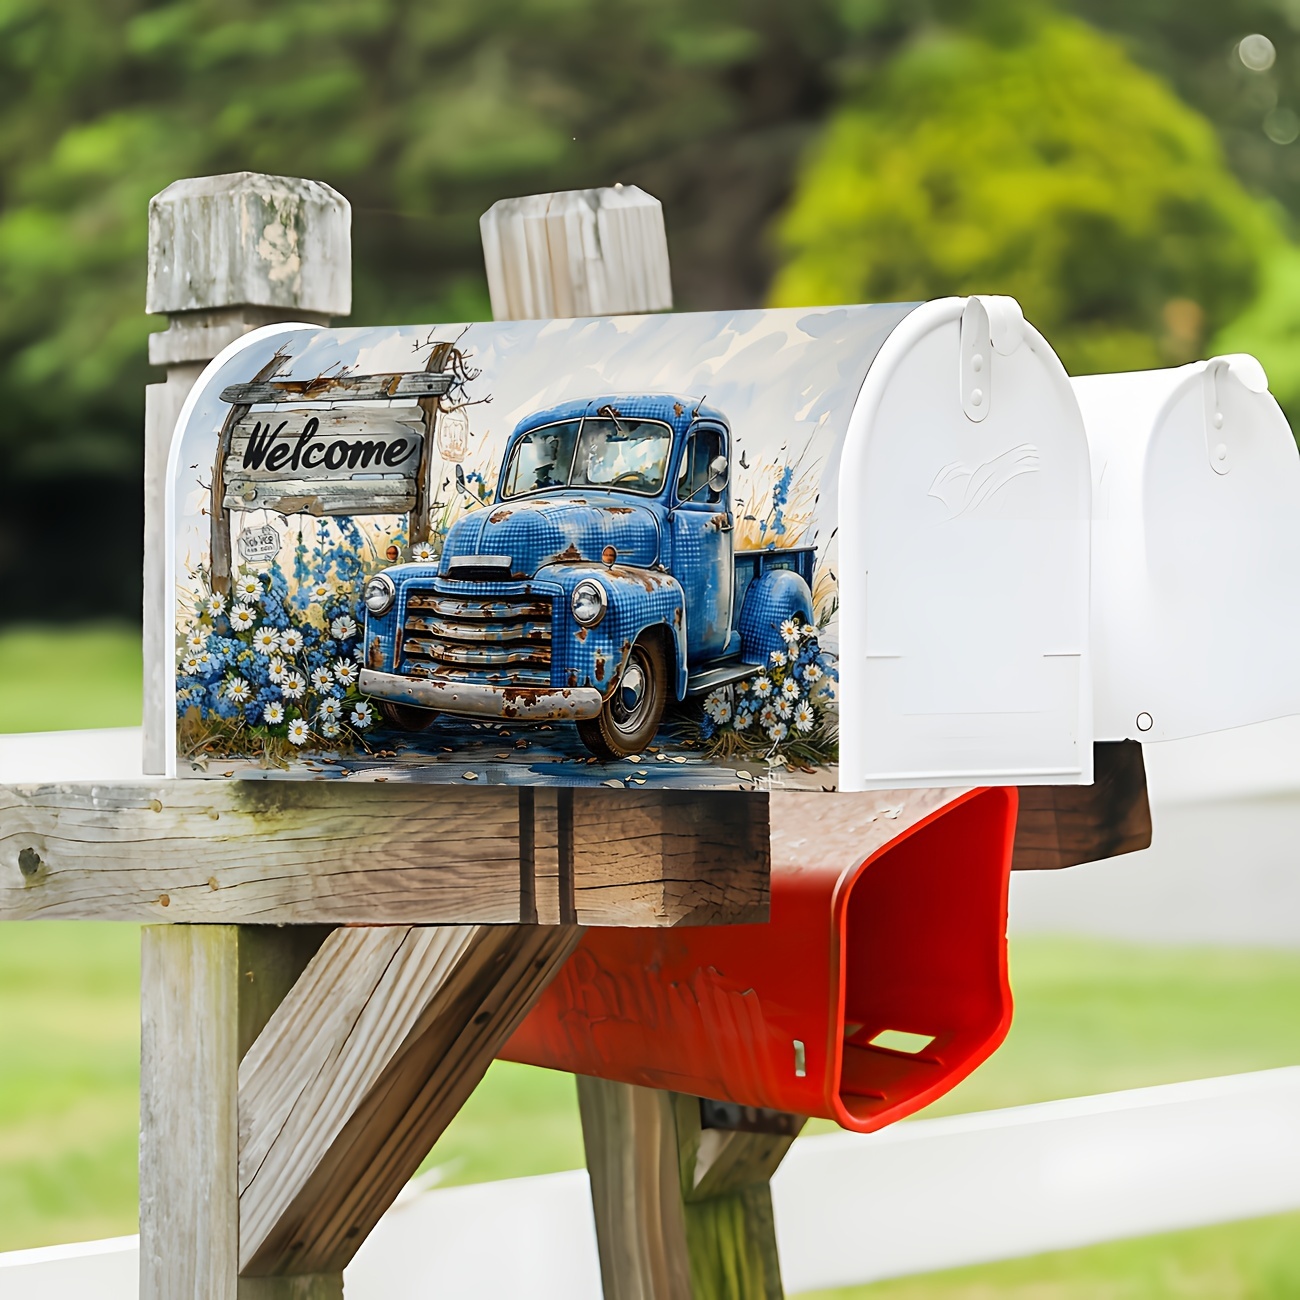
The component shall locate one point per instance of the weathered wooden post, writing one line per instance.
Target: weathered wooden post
(680, 1186)
(227, 254)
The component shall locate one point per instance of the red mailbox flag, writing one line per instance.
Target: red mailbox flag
(874, 989)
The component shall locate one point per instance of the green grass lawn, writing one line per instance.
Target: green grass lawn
(85, 676)
(1090, 1017)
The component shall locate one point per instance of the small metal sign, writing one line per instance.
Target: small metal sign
(259, 545)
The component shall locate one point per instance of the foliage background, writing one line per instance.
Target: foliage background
(1115, 164)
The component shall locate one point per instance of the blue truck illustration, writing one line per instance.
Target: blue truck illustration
(601, 583)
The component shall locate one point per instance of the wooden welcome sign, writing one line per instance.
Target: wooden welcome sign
(637, 551)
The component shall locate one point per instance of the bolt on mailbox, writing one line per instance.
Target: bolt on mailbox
(835, 548)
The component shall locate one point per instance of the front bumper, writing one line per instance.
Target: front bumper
(473, 700)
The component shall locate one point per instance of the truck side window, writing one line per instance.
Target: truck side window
(705, 446)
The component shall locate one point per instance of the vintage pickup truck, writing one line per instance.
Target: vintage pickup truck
(601, 583)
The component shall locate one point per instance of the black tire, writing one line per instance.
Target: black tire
(631, 715)
(407, 717)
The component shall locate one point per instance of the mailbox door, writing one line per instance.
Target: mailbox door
(965, 563)
(1196, 586)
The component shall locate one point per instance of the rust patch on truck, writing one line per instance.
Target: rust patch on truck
(375, 654)
(499, 516)
(570, 553)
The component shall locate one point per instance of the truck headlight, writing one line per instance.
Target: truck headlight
(589, 602)
(380, 594)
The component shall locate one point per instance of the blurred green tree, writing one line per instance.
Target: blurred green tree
(423, 112)
(1036, 160)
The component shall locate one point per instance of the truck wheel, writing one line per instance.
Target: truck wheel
(630, 717)
(407, 717)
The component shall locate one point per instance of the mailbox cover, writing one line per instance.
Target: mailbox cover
(826, 548)
(1196, 550)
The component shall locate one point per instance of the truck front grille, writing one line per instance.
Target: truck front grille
(500, 641)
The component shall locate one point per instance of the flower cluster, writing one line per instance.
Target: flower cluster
(272, 667)
(784, 710)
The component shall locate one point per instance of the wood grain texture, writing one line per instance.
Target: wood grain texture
(630, 1136)
(682, 1213)
(576, 253)
(1065, 825)
(361, 1068)
(272, 852)
(189, 1016)
(203, 988)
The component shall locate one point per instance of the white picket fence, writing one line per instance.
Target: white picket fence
(926, 1194)
(920, 1196)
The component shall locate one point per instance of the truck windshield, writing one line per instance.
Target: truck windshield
(624, 455)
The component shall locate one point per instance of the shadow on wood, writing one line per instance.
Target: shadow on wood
(1065, 825)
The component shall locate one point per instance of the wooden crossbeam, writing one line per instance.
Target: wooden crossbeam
(275, 852)
(360, 1069)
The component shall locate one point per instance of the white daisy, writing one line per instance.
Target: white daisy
(762, 687)
(767, 715)
(790, 631)
(778, 732)
(344, 627)
(790, 690)
(718, 705)
(191, 664)
(804, 717)
(197, 640)
(294, 685)
(362, 716)
(205, 661)
(784, 709)
(215, 603)
(345, 672)
(329, 728)
(241, 618)
(273, 714)
(266, 640)
(322, 679)
(299, 732)
(248, 587)
(321, 591)
(778, 658)
(290, 641)
(743, 719)
(424, 552)
(330, 709)
(812, 673)
(276, 669)
(238, 691)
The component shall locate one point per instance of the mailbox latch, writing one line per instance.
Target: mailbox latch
(989, 324)
(1219, 374)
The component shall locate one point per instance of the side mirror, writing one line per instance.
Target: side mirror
(461, 485)
(719, 472)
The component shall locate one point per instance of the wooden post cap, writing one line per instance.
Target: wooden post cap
(577, 253)
(249, 239)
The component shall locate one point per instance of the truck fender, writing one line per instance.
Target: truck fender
(772, 598)
(639, 599)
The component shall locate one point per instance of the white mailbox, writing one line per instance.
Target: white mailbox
(840, 547)
(1196, 550)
